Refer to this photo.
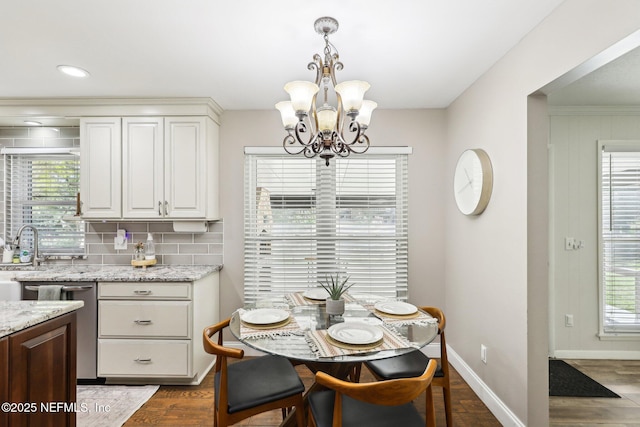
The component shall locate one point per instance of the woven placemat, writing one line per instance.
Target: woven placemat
(323, 346)
(419, 317)
(383, 315)
(266, 327)
(289, 326)
(298, 298)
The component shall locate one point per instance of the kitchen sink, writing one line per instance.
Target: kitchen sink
(9, 288)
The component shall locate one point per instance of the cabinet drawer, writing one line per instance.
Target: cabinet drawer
(152, 319)
(144, 358)
(144, 290)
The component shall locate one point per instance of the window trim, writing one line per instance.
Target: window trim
(22, 154)
(618, 146)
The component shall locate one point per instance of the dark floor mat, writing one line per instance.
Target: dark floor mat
(565, 380)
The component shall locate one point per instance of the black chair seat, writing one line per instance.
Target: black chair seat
(358, 414)
(258, 381)
(406, 365)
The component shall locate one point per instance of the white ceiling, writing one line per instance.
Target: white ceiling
(240, 53)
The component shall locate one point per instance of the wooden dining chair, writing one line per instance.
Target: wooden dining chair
(413, 364)
(250, 387)
(373, 404)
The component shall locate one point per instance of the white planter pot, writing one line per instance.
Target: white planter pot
(335, 306)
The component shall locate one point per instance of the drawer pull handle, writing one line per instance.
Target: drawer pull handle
(143, 360)
(146, 292)
(142, 322)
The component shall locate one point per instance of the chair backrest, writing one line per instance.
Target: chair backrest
(217, 348)
(442, 323)
(388, 392)
(437, 314)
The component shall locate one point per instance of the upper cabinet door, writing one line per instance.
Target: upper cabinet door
(142, 167)
(100, 167)
(185, 160)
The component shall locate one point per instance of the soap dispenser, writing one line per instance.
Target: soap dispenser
(149, 248)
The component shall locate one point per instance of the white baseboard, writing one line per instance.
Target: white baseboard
(486, 395)
(597, 354)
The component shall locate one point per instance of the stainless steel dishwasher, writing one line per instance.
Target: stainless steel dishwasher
(87, 316)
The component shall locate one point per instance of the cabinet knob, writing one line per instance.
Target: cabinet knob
(142, 322)
(143, 292)
(159, 208)
(166, 208)
(143, 360)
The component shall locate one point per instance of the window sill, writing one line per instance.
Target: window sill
(620, 336)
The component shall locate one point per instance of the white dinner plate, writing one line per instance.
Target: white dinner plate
(319, 294)
(355, 333)
(264, 316)
(374, 321)
(397, 308)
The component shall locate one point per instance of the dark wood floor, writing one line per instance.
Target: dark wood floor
(193, 406)
(621, 377)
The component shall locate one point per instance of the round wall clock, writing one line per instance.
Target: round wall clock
(473, 181)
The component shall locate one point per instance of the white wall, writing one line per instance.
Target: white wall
(573, 137)
(423, 130)
(488, 285)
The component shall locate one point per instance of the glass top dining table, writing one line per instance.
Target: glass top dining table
(413, 332)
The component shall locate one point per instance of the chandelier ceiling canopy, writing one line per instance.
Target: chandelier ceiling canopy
(326, 130)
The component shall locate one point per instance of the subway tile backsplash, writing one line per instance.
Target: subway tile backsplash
(171, 247)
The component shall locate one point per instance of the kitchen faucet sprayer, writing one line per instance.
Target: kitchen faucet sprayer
(36, 252)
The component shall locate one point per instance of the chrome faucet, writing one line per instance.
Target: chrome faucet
(36, 252)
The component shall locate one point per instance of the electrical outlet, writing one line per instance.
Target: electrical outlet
(483, 353)
(120, 241)
(568, 320)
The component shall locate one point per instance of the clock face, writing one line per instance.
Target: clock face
(473, 182)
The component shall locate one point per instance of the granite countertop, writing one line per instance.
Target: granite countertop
(115, 273)
(18, 315)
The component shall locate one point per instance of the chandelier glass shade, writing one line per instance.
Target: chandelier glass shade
(326, 130)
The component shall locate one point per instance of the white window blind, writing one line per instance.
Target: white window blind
(304, 220)
(40, 190)
(620, 236)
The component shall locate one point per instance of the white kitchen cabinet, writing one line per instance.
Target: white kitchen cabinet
(186, 166)
(142, 167)
(168, 170)
(151, 332)
(100, 167)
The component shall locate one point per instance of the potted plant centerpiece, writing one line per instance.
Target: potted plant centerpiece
(335, 288)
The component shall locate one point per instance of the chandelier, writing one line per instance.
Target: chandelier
(328, 131)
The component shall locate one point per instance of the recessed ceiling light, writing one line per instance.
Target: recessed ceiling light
(73, 71)
(32, 123)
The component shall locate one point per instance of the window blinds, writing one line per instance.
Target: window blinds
(40, 190)
(620, 236)
(304, 221)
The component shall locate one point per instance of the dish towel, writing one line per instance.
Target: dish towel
(49, 292)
